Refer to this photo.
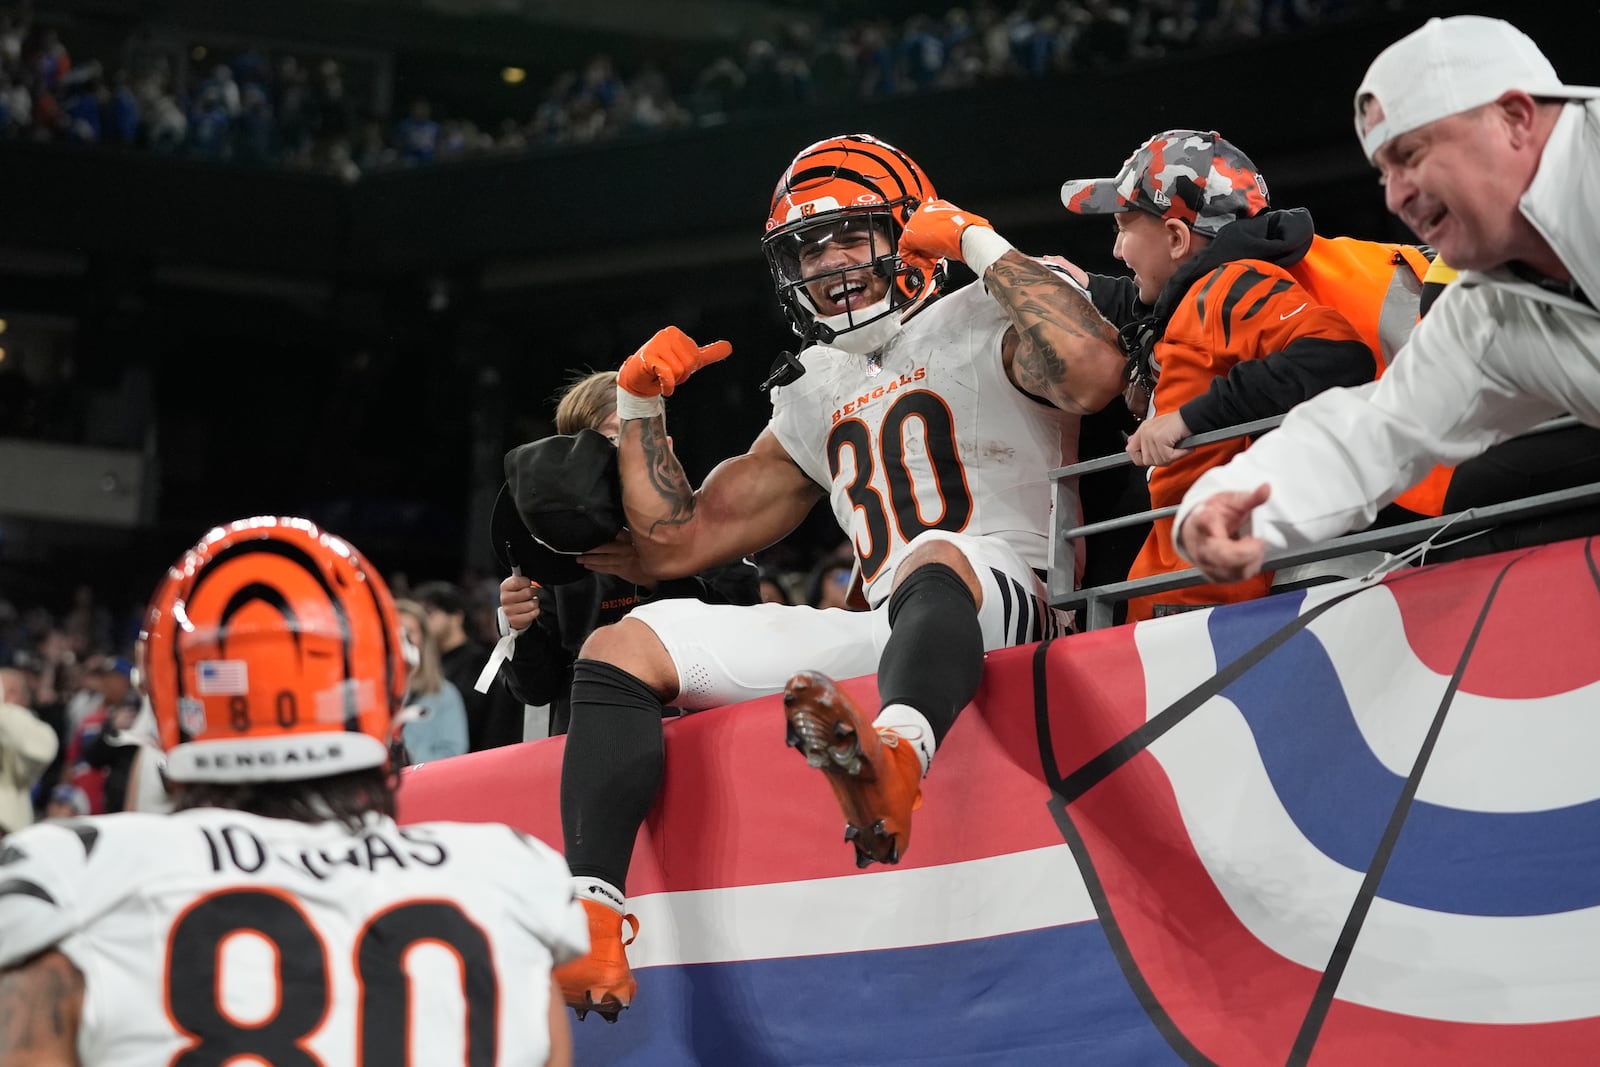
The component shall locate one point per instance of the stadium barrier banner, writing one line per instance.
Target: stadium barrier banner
(1341, 827)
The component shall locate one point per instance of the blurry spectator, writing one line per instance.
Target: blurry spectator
(600, 82)
(295, 111)
(653, 107)
(16, 687)
(372, 151)
(718, 88)
(252, 111)
(510, 139)
(226, 90)
(1174, 26)
(250, 68)
(87, 624)
(16, 105)
(339, 162)
(66, 802)
(493, 718)
(833, 68)
(26, 748)
(12, 30)
(763, 84)
(113, 750)
(210, 124)
(829, 586)
(773, 591)
(51, 63)
(417, 135)
(922, 53)
(165, 126)
(106, 686)
(252, 131)
(441, 732)
(334, 116)
(1107, 39)
(53, 674)
(122, 112)
(86, 101)
(875, 59)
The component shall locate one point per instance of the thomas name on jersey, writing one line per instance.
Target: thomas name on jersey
(234, 847)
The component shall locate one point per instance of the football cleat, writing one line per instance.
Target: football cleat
(875, 774)
(600, 981)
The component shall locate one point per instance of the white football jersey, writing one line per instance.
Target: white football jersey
(930, 436)
(212, 936)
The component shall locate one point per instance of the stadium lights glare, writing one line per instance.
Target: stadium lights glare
(513, 75)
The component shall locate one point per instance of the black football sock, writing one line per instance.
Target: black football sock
(933, 660)
(611, 771)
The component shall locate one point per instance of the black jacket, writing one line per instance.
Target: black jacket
(540, 668)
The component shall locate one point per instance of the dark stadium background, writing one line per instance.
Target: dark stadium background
(363, 352)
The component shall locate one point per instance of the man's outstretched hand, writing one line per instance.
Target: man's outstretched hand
(1213, 535)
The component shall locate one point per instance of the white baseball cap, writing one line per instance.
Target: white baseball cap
(1448, 66)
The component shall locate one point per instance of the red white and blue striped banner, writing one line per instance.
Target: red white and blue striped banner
(1358, 825)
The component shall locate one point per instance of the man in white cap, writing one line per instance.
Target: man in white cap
(1488, 157)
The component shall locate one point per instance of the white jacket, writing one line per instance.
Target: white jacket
(1493, 357)
(26, 748)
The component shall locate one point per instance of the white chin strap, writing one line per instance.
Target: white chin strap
(868, 337)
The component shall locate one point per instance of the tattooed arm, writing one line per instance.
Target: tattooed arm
(41, 1002)
(1059, 348)
(745, 505)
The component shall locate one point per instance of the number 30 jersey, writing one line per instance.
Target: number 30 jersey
(933, 436)
(213, 936)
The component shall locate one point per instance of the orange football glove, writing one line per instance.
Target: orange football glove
(933, 232)
(666, 360)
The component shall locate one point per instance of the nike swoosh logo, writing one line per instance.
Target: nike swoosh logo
(1295, 312)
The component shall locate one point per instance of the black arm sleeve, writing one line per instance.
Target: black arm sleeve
(1262, 388)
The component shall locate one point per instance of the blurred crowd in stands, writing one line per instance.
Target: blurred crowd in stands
(262, 105)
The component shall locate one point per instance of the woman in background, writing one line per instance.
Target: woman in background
(441, 732)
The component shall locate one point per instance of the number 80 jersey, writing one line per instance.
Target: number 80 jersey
(933, 436)
(213, 936)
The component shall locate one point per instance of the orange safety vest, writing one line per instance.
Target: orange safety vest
(1378, 287)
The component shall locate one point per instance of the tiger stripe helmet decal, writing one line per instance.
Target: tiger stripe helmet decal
(271, 652)
(852, 179)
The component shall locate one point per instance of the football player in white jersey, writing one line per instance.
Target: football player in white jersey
(279, 915)
(931, 420)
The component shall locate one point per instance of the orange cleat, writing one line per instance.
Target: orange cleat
(600, 981)
(874, 773)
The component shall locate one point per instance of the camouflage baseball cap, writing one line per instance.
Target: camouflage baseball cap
(1189, 175)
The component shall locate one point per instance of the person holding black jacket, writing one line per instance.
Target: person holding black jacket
(546, 514)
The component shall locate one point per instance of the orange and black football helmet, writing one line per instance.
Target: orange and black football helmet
(271, 651)
(850, 181)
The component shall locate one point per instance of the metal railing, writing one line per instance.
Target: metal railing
(1096, 604)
